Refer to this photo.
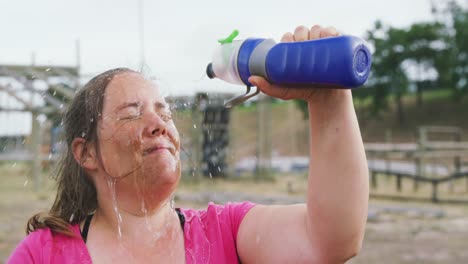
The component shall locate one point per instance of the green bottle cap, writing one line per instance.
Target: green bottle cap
(230, 38)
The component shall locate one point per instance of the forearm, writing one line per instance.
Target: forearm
(338, 187)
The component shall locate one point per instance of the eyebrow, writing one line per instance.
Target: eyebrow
(159, 105)
(127, 104)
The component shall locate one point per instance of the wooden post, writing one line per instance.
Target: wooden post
(422, 142)
(417, 162)
(388, 165)
(263, 137)
(374, 180)
(466, 183)
(293, 128)
(435, 199)
(398, 182)
(36, 171)
(201, 100)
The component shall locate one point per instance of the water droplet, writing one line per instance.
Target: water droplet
(143, 208)
(25, 183)
(54, 93)
(61, 106)
(111, 183)
(50, 156)
(211, 176)
(219, 169)
(48, 69)
(194, 126)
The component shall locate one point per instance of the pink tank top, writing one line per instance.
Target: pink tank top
(210, 237)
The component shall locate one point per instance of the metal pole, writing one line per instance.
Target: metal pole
(141, 30)
(33, 58)
(78, 64)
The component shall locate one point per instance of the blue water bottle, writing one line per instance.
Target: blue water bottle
(338, 62)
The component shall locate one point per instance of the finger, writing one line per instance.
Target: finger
(315, 32)
(267, 88)
(287, 37)
(301, 33)
(328, 32)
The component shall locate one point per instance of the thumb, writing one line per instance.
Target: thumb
(258, 81)
(268, 88)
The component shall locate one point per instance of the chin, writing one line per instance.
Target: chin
(163, 171)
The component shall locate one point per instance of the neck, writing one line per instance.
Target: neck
(136, 238)
(149, 222)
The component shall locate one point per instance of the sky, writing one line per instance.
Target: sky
(179, 36)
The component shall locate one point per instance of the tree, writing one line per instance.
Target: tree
(424, 41)
(388, 75)
(452, 63)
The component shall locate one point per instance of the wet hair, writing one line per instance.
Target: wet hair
(76, 195)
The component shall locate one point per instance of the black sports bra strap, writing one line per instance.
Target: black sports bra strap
(84, 233)
(181, 218)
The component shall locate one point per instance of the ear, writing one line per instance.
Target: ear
(84, 153)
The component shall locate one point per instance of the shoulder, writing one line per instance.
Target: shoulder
(225, 218)
(39, 246)
(211, 234)
(30, 249)
(228, 210)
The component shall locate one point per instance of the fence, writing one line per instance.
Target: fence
(423, 162)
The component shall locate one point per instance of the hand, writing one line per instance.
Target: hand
(301, 33)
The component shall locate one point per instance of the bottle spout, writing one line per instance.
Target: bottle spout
(209, 71)
(241, 98)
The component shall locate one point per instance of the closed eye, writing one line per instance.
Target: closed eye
(130, 117)
(163, 111)
(129, 111)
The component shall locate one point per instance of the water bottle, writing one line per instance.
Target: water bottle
(338, 62)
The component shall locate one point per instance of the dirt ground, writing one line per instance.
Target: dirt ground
(396, 233)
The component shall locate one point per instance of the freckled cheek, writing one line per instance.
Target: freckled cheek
(130, 137)
(175, 136)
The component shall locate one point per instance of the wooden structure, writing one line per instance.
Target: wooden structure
(43, 91)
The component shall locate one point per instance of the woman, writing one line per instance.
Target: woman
(122, 168)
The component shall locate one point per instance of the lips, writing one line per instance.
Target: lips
(158, 148)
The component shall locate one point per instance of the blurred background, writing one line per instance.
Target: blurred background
(413, 110)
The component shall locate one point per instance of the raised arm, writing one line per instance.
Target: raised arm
(330, 227)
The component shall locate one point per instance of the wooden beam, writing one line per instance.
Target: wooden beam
(49, 70)
(13, 94)
(62, 90)
(54, 102)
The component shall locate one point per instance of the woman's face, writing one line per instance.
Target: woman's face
(138, 141)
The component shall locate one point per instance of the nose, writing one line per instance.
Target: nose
(155, 126)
